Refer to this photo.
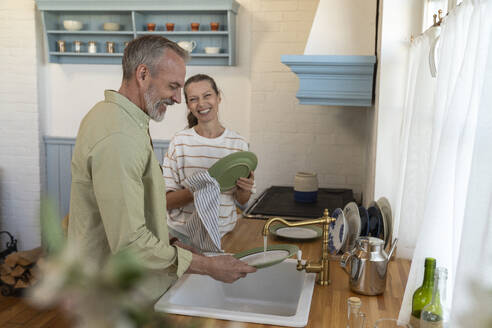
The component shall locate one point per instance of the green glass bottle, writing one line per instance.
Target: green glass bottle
(435, 314)
(423, 295)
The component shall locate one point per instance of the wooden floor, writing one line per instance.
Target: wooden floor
(328, 307)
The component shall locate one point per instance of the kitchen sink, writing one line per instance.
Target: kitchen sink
(277, 295)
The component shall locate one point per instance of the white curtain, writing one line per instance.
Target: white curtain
(444, 189)
(415, 144)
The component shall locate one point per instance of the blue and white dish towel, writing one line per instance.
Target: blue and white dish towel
(203, 225)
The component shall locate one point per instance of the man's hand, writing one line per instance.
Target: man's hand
(224, 268)
(229, 269)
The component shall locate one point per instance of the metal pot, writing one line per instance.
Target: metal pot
(366, 265)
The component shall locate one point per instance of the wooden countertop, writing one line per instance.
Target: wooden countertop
(328, 305)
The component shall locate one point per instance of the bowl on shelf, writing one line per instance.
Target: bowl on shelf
(72, 25)
(212, 50)
(110, 26)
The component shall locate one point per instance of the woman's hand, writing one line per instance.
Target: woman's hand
(178, 198)
(244, 188)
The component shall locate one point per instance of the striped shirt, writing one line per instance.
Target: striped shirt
(188, 153)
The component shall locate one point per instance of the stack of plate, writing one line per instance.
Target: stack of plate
(357, 221)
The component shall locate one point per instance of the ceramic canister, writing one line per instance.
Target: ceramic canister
(306, 187)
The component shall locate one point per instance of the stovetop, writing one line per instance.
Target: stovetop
(279, 201)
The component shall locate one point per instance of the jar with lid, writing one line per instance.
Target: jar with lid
(61, 45)
(92, 47)
(436, 313)
(77, 46)
(355, 318)
(110, 47)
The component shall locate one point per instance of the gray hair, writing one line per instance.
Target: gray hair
(147, 50)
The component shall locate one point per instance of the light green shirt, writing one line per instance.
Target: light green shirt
(118, 193)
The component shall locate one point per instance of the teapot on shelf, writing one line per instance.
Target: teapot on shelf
(367, 265)
(187, 45)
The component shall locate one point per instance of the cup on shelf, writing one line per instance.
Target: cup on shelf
(187, 45)
(195, 27)
(151, 27)
(211, 50)
(214, 26)
(110, 47)
(61, 45)
(170, 26)
(91, 47)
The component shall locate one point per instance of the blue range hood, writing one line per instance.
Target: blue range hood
(333, 80)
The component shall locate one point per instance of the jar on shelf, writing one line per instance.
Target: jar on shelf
(195, 27)
(92, 47)
(77, 46)
(110, 47)
(61, 45)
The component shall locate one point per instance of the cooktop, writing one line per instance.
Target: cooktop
(279, 201)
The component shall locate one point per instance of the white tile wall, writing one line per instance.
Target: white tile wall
(288, 137)
(19, 123)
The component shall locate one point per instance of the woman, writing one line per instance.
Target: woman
(197, 148)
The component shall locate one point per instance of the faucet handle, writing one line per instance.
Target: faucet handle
(299, 255)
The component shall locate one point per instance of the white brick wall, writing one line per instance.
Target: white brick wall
(19, 123)
(289, 137)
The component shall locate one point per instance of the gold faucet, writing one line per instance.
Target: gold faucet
(323, 266)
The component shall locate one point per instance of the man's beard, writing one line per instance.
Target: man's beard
(152, 107)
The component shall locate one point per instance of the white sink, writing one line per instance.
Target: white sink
(277, 295)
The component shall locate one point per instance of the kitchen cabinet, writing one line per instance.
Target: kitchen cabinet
(132, 17)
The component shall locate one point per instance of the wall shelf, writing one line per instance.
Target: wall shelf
(133, 16)
(90, 32)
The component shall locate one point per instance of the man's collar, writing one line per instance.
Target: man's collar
(140, 117)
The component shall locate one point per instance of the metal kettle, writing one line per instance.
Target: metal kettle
(367, 264)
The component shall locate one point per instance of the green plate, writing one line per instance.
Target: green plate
(299, 233)
(256, 254)
(229, 169)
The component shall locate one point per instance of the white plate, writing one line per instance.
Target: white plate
(385, 208)
(351, 212)
(301, 233)
(337, 232)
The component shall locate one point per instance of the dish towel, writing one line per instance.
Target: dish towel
(203, 225)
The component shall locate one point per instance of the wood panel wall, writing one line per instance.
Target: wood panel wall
(58, 176)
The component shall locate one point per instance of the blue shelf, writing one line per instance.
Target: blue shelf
(200, 33)
(90, 32)
(86, 54)
(133, 16)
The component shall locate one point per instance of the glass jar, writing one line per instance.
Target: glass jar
(110, 47)
(436, 313)
(76, 46)
(355, 318)
(91, 47)
(61, 45)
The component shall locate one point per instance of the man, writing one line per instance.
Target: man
(118, 194)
